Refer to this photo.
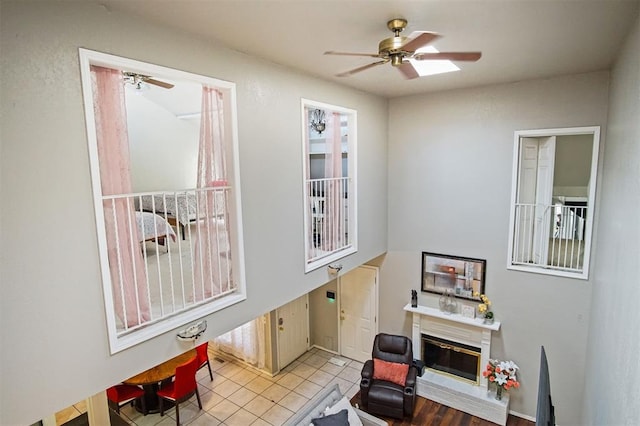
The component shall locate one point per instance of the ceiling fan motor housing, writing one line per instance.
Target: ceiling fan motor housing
(389, 48)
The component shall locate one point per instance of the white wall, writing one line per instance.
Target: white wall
(323, 317)
(449, 192)
(163, 149)
(612, 368)
(54, 349)
(572, 168)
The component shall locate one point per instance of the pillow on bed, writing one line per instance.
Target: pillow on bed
(343, 404)
(393, 372)
(339, 419)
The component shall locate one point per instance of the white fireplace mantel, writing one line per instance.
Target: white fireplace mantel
(470, 398)
(435, 313)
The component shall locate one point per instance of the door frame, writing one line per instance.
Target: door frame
(376, 286)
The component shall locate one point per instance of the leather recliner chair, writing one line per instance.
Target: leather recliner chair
(383, 397)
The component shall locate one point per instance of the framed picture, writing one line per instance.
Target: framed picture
(468, 311)
(463, 276)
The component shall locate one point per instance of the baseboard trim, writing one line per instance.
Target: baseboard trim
(230, 358)
(325, 349)
(522, 416)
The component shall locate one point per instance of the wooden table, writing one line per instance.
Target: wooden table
(151, 379)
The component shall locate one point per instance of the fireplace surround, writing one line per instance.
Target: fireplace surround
(470, 397)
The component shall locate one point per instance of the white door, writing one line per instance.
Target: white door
(293, 330)
(358, 312)
(525, 214)
(544, 195)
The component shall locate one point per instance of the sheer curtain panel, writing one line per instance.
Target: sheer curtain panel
(128, 278)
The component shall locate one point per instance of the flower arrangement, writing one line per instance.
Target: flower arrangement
(485, 307)
(503, 374)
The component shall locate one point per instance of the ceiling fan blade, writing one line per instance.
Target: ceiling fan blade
(421, 40)
(370, 55)
(357, 70)
(451, 56)
(408, 70)
(158, 83)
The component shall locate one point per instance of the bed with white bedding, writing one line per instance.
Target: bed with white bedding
(152, 227)
(181, 207)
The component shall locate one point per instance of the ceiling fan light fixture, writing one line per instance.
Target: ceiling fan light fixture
(141, 86)
(396, 59)
(136, 82)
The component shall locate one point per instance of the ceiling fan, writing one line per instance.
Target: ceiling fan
(398, 50)
(136, 80)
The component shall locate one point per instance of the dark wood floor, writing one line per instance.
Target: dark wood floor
(431, 413)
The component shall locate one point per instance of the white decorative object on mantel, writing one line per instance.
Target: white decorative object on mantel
(463, 396)
(468, 311)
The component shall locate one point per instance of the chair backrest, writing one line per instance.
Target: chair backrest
(393, 348)
(185, 381)
(112, 394)
(203, 356)
(119, 393)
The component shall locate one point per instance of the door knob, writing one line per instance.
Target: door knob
(281, 328)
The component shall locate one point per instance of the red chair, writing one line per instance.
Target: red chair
(182, 388)
(120, 395)
(203, 357)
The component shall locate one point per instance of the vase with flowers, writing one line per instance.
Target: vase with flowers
(502, 374)
(484, 308)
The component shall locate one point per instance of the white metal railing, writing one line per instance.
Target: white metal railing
(551, 236)
(328, 211)
(183, 238)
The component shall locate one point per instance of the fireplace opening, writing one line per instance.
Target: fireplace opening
(451, 358)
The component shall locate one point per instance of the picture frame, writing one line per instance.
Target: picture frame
(460, 276)
(468, 311)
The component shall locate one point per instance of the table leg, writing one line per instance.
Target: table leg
(152, 400)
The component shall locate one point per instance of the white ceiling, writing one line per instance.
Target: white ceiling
(519, 39)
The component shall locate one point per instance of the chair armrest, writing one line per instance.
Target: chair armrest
(411, 379)
(410, 392)
(365, 383)
(367, 370)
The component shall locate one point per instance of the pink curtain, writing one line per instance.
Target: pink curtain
(210, 262)
(310, 187)
(334, 232)
(128, 279)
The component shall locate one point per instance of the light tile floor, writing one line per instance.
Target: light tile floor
(241, 396)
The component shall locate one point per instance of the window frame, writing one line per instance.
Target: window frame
(352, 198)
(594, 131)
(119, 342)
